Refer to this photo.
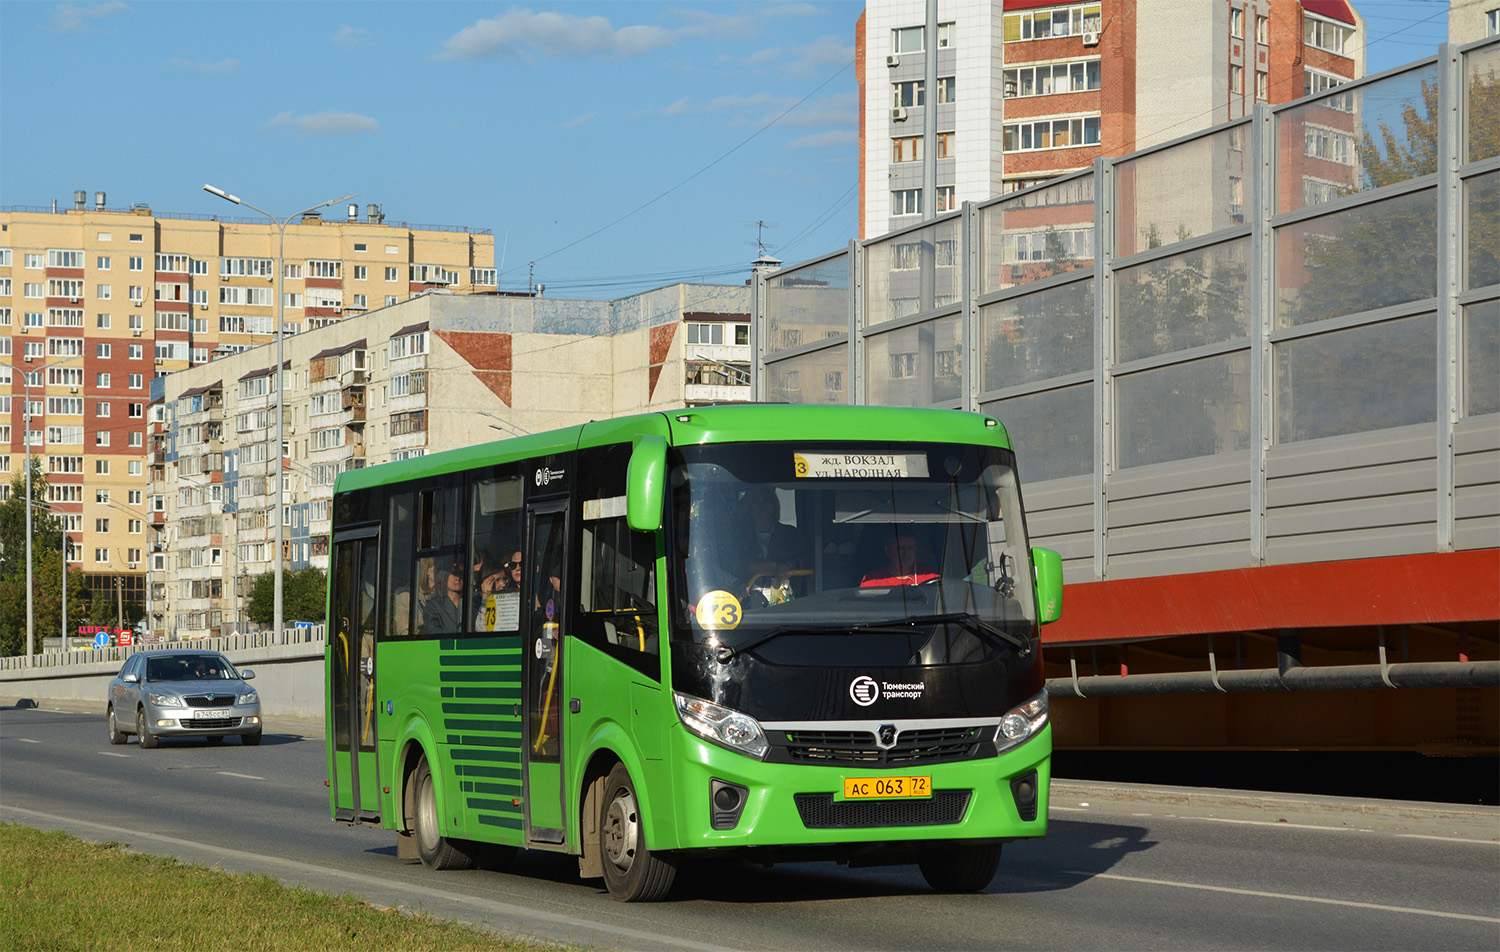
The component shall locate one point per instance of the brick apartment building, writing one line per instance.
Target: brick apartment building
(97, 302)
(991, 97)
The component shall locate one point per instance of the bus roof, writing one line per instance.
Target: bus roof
(725, 423)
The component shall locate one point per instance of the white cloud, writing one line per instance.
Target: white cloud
(73, 17)
(351, 36)
(524, 34)
(326, 123)
(223, 66)
(579, 120)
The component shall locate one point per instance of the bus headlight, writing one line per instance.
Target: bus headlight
(1022, 722)
(722, 725)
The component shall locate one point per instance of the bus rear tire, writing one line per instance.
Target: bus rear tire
(436, 850)
(632, 873)
(963, 868)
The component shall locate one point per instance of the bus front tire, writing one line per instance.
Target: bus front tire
(632, 873)
(965, 868)
(437, 851)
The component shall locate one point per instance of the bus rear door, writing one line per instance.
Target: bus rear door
(351, 676)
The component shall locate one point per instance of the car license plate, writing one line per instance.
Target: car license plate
(885, 788)
(209, 715)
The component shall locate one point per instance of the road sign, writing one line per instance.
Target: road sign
(101, 640)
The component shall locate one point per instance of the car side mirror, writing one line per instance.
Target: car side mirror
(247, 674)
(1046, 565)
(645, 484)
(131, 678)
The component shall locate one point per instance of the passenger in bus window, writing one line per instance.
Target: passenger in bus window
(402, 622)
(443, 612)
(492, 578)
(901, 566)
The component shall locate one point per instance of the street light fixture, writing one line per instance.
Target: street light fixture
(26, 435)
(279, 376)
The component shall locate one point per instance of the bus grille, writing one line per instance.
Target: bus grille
(935, 745)
(821, 812)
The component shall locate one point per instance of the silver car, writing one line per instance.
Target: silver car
(182, 694)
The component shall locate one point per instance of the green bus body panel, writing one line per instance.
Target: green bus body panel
(460, 700)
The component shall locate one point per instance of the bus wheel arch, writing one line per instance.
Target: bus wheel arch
(436, 850)
(633, 872)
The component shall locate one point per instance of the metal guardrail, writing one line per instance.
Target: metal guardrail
(61, 660)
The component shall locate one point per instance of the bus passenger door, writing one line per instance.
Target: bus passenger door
(351, 678)
(545, 623)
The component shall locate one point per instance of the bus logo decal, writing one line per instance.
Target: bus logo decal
(864, 690)
(545, 475)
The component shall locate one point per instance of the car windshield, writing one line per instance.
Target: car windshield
(190, 668)
(811, 553)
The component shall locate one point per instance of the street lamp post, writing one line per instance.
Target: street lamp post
(26, 435)
(145, 522)
(279, 377)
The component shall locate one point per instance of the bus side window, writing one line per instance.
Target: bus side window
(495, 551)
(618, 591)
(440, 557)
(401, 580)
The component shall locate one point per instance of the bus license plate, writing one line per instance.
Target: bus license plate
(885, 788)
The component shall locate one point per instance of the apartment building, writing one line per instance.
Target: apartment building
(431, 373)
(976, 98)
(95, 303)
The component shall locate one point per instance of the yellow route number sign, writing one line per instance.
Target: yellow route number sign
(719, 611)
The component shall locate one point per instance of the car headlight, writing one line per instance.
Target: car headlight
(722, 725)
(165, 700)
(1022, 722)
(249, 697)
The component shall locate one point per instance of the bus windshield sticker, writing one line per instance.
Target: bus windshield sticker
(861, 465)
(718, 611)
(596, 509)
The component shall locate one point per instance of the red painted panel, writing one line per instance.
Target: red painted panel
(1402, 590)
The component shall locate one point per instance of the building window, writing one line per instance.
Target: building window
(1262, 86)
(390, 274)
(1236, 78)
(101, 556)
(1052, 134)
(390, 299)
(946, 89)
(945, 200)
(906, 201)
(908, 94)
(359, 246)
(1327, 35)
(1050, 23)
(101, 321)
(906, 149)
(945, 36)
(102, 263)
(1076, 77)
(907, 39)
(1262, 29)
(361, 272)
(1236, 22)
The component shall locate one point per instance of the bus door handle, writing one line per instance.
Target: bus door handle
(574, 706)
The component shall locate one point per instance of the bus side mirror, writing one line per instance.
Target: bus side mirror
(1047, 566)
(645, 482)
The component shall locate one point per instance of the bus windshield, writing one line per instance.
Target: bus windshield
(813, 553)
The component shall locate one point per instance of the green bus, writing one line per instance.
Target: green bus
(769, 633)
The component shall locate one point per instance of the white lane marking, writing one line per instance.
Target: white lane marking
(490, 906)
(1446, 839)
(110, 753)
(242, 776)
(1407, 910)
(1067, 809)
(28, 740)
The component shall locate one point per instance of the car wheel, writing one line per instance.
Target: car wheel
(116, 736)
(436, 850)
(148, 739)
(632, 873)
(250, 740)
(963, 868)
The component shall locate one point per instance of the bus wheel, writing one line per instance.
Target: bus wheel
(632, 873)
(962, 868)
(437, 851)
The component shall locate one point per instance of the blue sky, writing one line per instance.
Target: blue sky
(618, 146)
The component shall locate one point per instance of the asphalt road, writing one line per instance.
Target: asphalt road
(1123, 867)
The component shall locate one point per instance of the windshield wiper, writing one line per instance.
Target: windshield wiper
(725, 653)
(968, 620)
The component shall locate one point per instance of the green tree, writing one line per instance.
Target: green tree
(303, 597)
(46, 569)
